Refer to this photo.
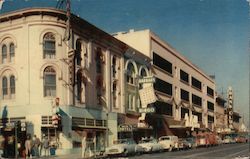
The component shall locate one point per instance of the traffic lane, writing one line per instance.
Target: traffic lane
(226, 151)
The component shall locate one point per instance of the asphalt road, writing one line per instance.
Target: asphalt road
(227, 151)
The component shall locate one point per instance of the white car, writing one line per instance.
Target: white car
(150, 145)
(169, 142)
(123, 147)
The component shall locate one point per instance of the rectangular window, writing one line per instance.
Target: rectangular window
(198, 114)
(49, 49)
(196, 83)
(184, 76)
(210, 106)
(162, 63)
(163, 86)
(184, 95)
(183, 112)
(196, 100)
(50, 85)
(163, 108)
(210, 91)
(210, 119)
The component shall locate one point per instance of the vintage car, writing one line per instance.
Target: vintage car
(123, 147)
(182, 144)
(228, 140)
(169, 142)
(206, 139)
(150, 145)
(240, 139)
(191, 142)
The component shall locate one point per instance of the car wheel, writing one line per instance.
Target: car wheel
(170, 148)
(125, 153)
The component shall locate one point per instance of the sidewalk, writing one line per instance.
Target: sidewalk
(73, 156)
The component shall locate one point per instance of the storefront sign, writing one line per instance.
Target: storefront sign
(149, 79)
(125, 128)
(147, 110)
(147, 96)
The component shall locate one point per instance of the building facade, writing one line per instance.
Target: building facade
(186, 95)
(66, 82)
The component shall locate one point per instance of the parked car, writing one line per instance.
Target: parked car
(191, 142)
(206, 139)
(123, 147)
(150, 145)
(169, 142)
(182, 144)
(240, 139)
(219, 140)
(228, 140)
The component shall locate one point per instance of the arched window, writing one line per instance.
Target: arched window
(79, 86)
(49, 46)
(131, 73)
(12, 85)
(143, 72)
(114, 66)
(78, 52)
(4, 86)
(4, 54)
(49, 82)
(12, 52)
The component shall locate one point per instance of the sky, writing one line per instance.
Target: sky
(213, 34)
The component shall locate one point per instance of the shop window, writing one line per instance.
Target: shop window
(49, 46)
(49, 82)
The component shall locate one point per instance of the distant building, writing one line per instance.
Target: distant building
(186, 95)
(221, 122)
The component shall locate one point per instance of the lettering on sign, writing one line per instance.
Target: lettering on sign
(147, 110)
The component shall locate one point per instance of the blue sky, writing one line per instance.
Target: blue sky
(213, 34)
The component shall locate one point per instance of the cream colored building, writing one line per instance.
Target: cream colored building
(185, 93)
(37, 77)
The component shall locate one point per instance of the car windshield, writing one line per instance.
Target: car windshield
(147, 141)
(164, 138)
(124, 141)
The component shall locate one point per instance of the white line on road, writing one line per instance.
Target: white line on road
(237, 153)
(207, 152)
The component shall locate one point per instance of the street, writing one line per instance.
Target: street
(225, 151)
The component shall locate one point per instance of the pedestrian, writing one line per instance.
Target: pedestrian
(28, 146)
(45, 146)
(36, 145)
(84, 144)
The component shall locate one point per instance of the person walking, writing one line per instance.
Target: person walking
(36, 144)
(84, 145)
(45, 146)
(28, 146)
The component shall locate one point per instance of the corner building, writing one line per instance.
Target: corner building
(186, 95)
(37, 77)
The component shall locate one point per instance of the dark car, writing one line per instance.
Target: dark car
(191, 142)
